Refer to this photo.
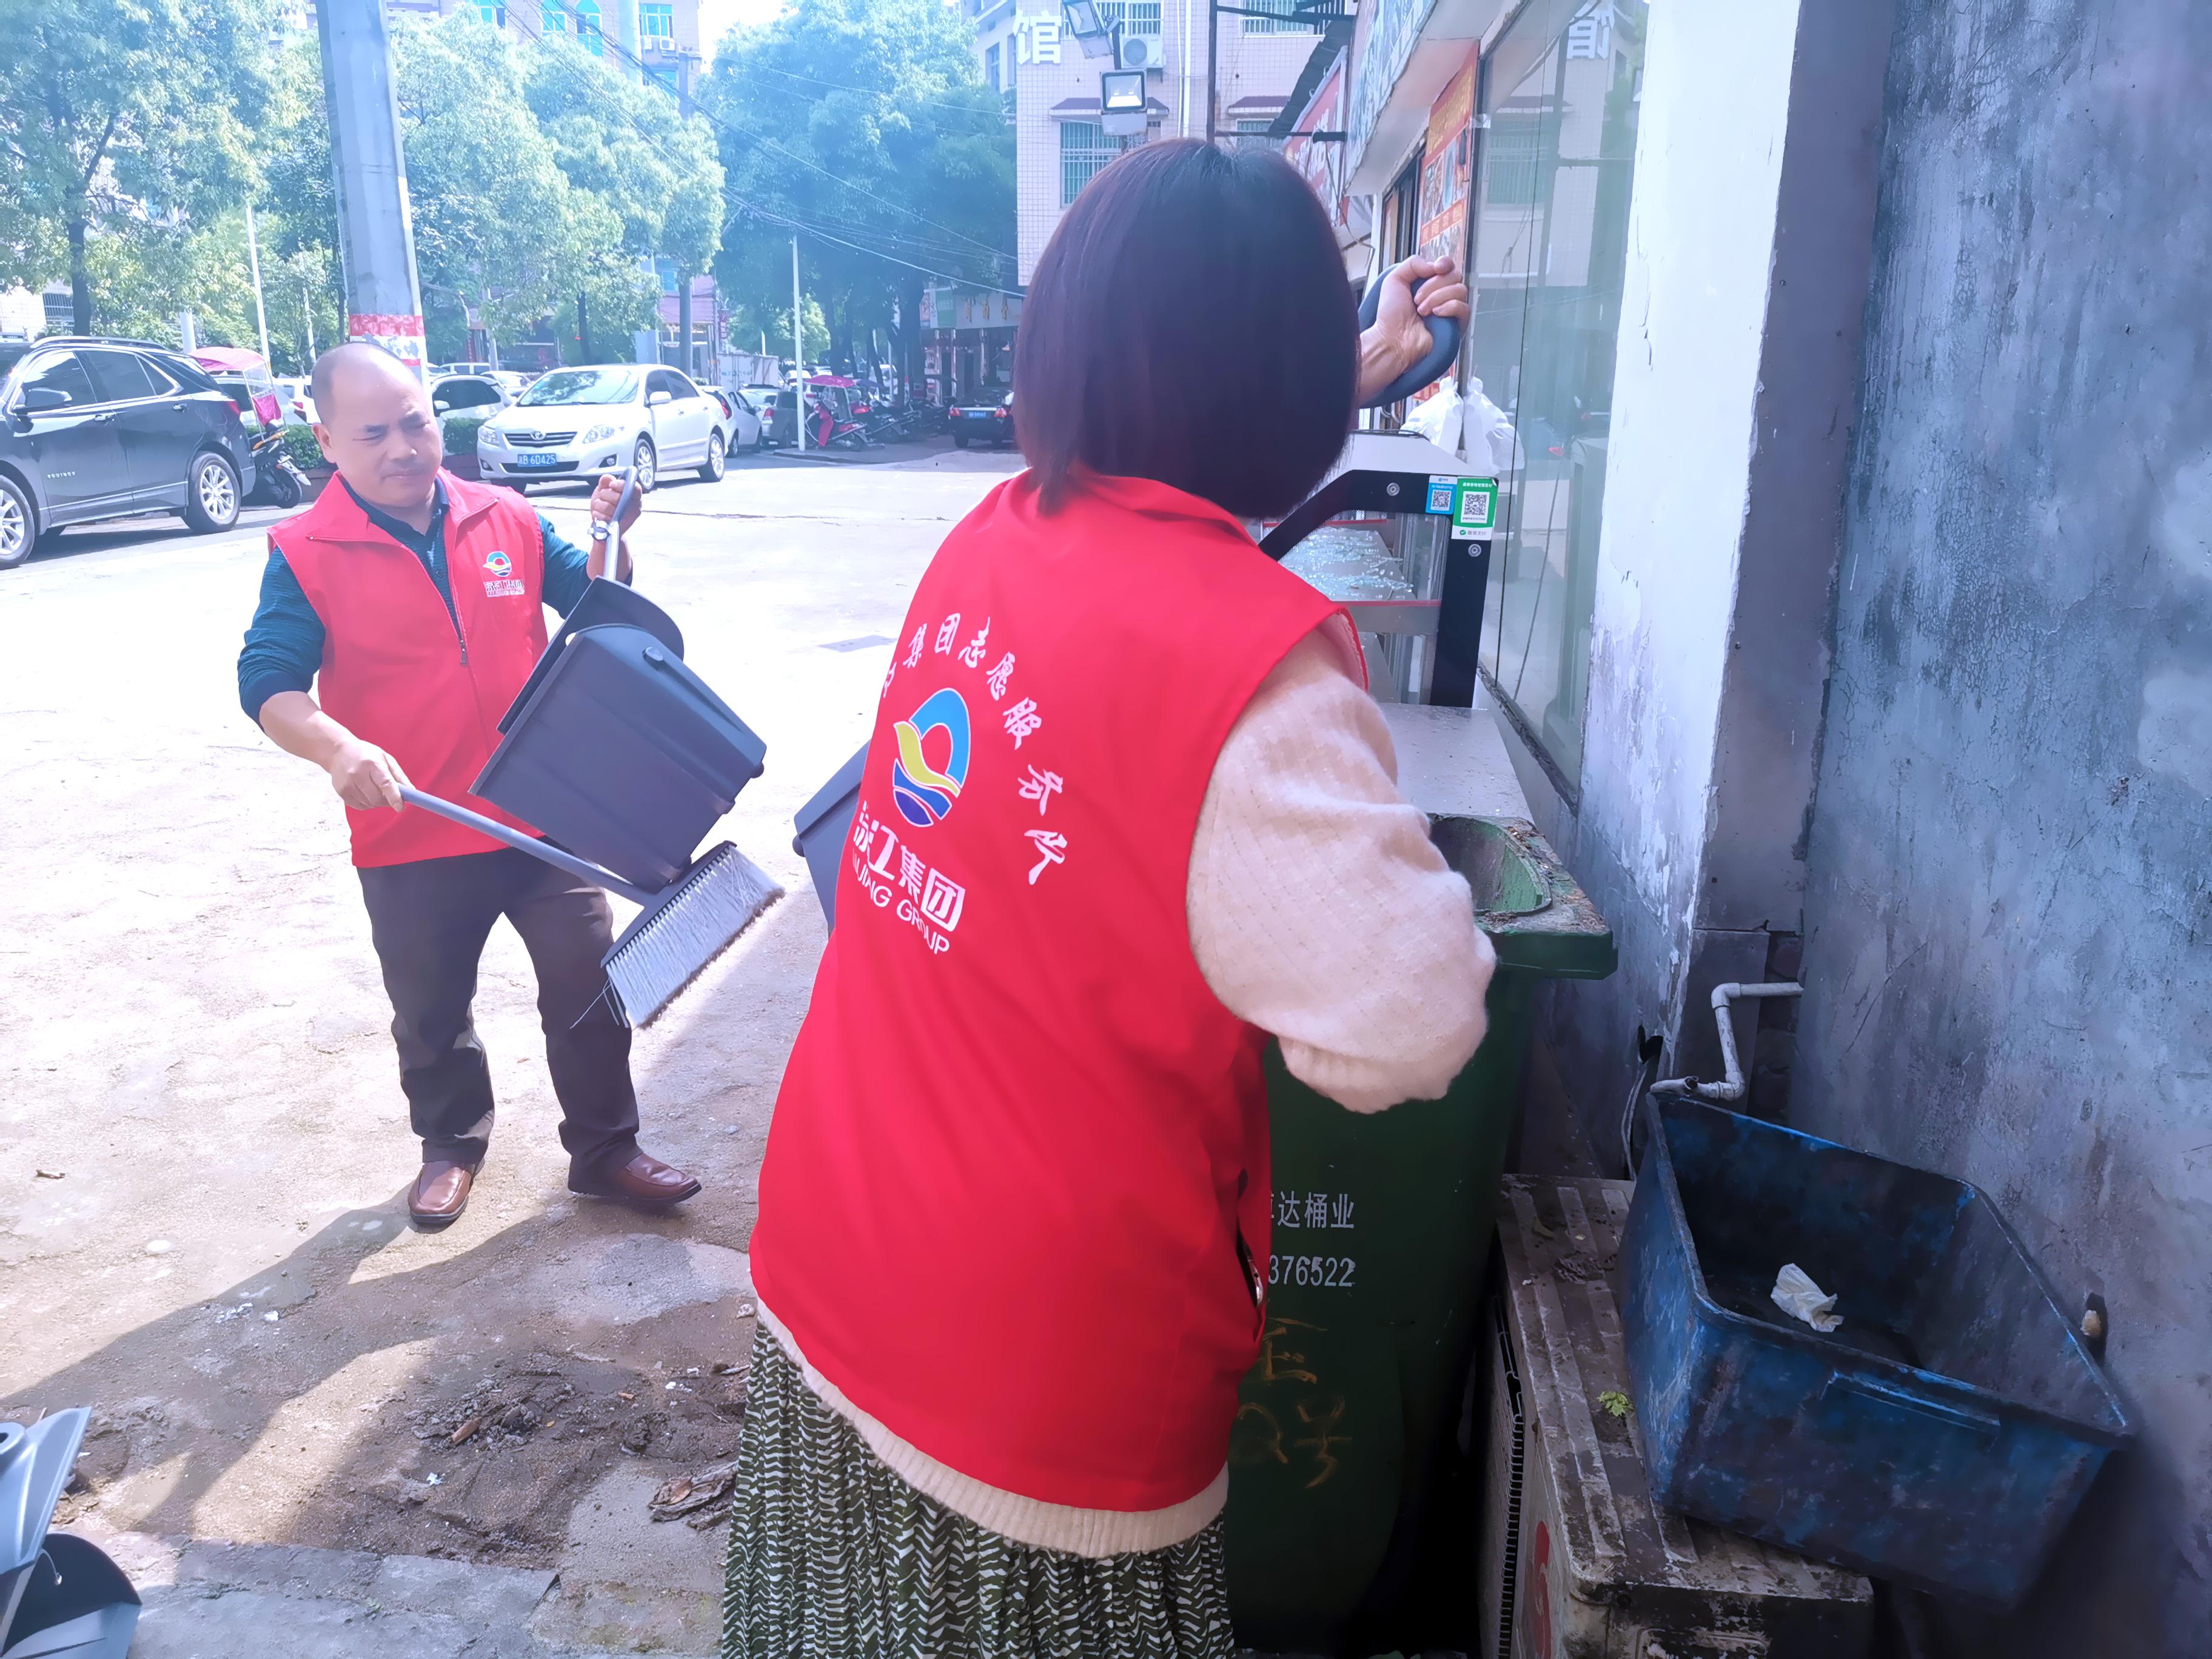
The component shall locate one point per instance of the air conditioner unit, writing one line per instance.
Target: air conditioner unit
(1138, 51)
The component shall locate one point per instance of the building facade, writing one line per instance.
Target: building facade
(1847, 609)
(654, 39)
(1236, 84)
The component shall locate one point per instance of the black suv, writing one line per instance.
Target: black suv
(96, 429)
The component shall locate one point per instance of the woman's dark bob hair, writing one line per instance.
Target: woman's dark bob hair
(1190, 321)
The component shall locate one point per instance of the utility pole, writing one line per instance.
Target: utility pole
(376, 232)
(260, 312)
(797, 354)
(308, 311)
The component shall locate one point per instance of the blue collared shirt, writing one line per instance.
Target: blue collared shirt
(284, 646)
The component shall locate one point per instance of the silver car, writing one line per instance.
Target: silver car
(582, 423)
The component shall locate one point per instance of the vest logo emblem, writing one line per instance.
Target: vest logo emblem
(931, 762)
(496, 563)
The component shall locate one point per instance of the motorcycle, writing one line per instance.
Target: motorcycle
(278, 480)
(827, 429)
(59, 1596)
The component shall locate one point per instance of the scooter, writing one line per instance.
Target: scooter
(60, 1596)
(827, 431)
(278, 480)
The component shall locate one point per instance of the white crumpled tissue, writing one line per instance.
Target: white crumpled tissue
(1796, 1294)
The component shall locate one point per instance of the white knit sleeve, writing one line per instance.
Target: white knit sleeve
(1319, 910)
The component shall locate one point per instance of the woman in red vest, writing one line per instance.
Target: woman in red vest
(1128, 812)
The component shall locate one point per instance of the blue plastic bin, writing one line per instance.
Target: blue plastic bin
(823, 825)
(1940, 1437)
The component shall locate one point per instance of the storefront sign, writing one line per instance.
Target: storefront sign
(1448, 166)
(1590, 34)
(1036, 39)
(1384, 55)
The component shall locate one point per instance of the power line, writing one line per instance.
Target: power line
(878, 92)
(816, 231)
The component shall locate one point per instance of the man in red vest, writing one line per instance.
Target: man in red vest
(418, 600)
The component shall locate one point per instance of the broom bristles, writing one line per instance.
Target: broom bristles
(671, 944)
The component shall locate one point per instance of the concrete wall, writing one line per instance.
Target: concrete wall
(1734, 382)
(2010, 953)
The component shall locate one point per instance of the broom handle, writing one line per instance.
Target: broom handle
(597, 875)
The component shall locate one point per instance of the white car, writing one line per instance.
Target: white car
(582, 423)
(295, 396)
(478, 395)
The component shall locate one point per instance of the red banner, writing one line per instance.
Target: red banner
(398, 334)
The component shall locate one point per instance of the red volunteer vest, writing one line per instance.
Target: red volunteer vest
(425, 686)
(1018, 1167)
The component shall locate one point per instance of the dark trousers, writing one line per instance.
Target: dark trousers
(430, 919)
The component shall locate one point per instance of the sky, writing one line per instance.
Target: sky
(718, 17)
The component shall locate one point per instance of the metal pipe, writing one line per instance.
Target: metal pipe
(1732, 1087)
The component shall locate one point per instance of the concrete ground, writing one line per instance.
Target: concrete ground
(203, 1152)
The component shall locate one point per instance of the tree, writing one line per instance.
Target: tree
(863, 127)
(750, 324)
(498, 225)
(126, 122)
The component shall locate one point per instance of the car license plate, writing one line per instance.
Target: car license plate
(543, 461)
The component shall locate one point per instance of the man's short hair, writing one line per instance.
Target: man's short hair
(324, 374)
(1190, 321)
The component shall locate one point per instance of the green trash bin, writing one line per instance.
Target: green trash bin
(1350, 1510)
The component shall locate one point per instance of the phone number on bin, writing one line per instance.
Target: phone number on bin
(1330, 1272)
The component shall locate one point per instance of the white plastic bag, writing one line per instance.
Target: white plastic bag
(1796, 1294)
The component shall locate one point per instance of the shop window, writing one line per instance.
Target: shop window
(495, 15)
(587, 26)
(1561, 91)
(991, 67)
(1084, 152)
(553, 19)
(657, 23)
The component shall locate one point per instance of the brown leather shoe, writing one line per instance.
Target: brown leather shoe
(441, 1193)
(644, 1182)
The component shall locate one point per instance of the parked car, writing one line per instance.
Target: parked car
(742, 425)
(582, 423)
(989, 424)
(99, 429)
(295, 395)
(479, 395)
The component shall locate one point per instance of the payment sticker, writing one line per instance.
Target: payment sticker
(1475, 508)
(1440, 495)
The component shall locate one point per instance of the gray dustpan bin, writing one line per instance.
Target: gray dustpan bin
(824, 825)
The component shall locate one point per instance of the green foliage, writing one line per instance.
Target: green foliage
(299, 444)
(1617, 1405)
(459, 432)
(126, 125)
(750, 322)
(863, 126)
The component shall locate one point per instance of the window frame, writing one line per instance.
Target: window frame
(1103, 151)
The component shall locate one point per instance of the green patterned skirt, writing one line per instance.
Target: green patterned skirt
(833, 1556)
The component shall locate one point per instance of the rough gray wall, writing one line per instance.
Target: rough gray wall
(2009, 959)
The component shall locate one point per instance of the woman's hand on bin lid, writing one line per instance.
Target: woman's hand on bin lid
(1417, 290)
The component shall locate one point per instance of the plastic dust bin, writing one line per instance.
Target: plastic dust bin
(823, 825)
(1940, 1437)
(1342, 1459)
(619, 752)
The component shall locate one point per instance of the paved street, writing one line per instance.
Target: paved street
(201, 1195)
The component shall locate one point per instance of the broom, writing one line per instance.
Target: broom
(682, 927)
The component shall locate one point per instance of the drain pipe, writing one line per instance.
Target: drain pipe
(1732, 1088)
